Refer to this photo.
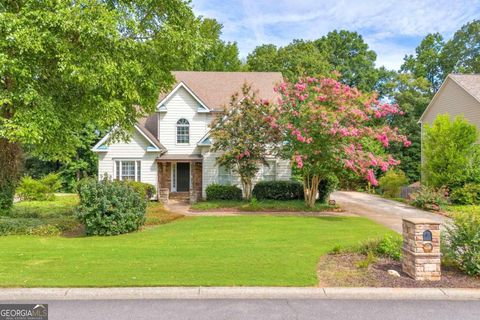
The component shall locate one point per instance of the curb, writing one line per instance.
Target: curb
(22, 294)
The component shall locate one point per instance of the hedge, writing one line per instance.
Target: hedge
(222, 192)
(278, 190)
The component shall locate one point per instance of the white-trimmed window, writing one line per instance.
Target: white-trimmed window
(224, 176)
(183, 131)
(128, 170)
(270, 170)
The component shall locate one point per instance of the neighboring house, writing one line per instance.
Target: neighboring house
(458, 95)
(171, 148)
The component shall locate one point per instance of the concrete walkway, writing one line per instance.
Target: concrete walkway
(384, 211)
(183, 207)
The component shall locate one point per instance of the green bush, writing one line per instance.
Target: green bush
(429, 198)
(388, 246)
(449, 151)
(278, 190)
(110, 207)
(468, 194)
(221, 192)
(326, 187)
(146, 190)
(369, 259)
(391, 183)
(40, 190)
(463, 242)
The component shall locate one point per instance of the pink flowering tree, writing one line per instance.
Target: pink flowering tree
(326, 127)
(243, 136)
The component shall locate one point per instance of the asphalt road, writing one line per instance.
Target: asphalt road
(262, 309)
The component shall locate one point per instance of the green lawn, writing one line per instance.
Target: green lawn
(209, 251)
(263, 205)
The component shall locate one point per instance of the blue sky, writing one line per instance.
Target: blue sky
(391, 28)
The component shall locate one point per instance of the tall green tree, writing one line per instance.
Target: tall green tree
(413, 96)
(219, 55)
(462, 53)
(297, 58)
(347, 53)
(427, 61)
(67, 64)
(263, 58)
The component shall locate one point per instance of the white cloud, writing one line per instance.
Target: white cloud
(388, 26)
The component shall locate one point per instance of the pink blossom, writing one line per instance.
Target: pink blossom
(383, 139)
(373, 161)
(247, 153)
(407, 143)
(298, 160)
(371, 177)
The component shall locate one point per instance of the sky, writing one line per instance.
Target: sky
(391, 28)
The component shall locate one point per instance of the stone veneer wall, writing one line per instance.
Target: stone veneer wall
(417, 262)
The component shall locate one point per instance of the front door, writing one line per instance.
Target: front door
(183, 176)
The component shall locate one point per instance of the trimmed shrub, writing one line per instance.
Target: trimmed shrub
(110, 207)
(462, 243)
(326, 187)
(278, 190)
(39, 190)
(391, 183)
(429, 198)
(146, 190)
(388, 246)
(221, 192)
(468, 194)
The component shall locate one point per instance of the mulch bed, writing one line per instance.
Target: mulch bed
(340, 270)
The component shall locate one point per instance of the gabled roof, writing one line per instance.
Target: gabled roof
(156, 146)
(214, 89)
(468, 82)
(142, 126)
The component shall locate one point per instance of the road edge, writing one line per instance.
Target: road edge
(135, 293)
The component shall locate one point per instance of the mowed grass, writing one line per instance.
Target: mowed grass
(207, 251)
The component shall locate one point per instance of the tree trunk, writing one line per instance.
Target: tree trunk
(310, 190)
(247, 188)
(10, 162)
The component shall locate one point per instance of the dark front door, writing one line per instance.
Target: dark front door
(183, 177)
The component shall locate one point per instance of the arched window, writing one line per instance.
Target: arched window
(183, 131)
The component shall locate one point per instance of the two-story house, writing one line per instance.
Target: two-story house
(171, 148)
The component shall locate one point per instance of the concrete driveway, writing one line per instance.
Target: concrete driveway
(384, 211)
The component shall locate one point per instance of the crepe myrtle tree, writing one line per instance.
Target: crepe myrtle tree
(327, 128)
(244, 136)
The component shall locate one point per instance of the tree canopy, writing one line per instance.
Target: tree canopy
(219, 55)
(68, 64)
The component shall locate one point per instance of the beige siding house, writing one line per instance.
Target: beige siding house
(458, 95)
(171, 148)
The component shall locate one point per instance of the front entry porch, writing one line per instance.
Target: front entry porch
(180, 176)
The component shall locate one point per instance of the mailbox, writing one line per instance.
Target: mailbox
(421, 249)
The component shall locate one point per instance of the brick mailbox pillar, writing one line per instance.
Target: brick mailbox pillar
(421, 249)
